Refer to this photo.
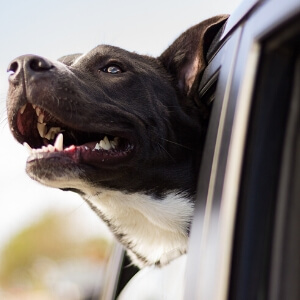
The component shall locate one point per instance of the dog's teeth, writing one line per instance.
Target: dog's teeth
(105, 144)
(97, 147)
(51, 148)
(48, 135)
(41, 150)
(44, 149)
(59, 142)
(34, 106)
(27, 147)
(38, 111)
(102, 145)
(53, 131)
(22, 109)
(40, 117)
(114, 143)
(42, 129)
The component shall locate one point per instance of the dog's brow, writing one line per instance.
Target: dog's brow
(102, 53)
(77, 59)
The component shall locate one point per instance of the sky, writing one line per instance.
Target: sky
(60, 27)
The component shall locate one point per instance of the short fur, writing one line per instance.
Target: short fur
(143, 187)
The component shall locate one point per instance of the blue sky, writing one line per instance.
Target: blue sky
(59, 27)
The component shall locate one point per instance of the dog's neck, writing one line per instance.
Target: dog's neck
(154, 231)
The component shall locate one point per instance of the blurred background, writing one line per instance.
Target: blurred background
(52, 246)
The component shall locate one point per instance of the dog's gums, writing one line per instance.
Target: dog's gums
(45, 137)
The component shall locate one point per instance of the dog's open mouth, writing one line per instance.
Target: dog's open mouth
(45, 136)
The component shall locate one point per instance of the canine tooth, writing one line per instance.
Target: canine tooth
(22, 109)
(42, 129)
(59, 142)
(34, 106)
(27, 147)
(105, 144)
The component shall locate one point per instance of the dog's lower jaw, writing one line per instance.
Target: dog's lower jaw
(154, 231)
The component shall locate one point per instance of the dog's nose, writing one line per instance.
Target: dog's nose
(29, 64)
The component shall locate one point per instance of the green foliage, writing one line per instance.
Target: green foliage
(51, 237)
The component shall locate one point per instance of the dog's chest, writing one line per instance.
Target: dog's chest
(154, 230)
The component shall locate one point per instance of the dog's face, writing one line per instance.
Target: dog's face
(118, 121)
(118, 112)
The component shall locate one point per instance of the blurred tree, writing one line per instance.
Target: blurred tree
(53, 237)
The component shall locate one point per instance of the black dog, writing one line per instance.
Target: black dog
(123, 130)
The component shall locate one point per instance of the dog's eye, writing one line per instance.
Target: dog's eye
(112, 69)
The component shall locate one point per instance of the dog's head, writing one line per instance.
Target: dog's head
(113, 118)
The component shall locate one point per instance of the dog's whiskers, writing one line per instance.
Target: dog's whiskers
(74, 210)
(177, 144)
(4, 122)
(165, 150)
(3, 119)
(71, 107)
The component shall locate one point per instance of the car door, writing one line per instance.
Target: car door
(245, 235)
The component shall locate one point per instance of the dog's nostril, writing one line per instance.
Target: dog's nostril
(30, 64)
(39, 65)
(13, 67)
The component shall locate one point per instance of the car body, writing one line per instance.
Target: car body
(245, 241)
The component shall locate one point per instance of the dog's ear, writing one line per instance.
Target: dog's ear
(69, 59)
(185, 59)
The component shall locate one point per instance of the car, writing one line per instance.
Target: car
(245, 241)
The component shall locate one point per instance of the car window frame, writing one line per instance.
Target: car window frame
(212, 234)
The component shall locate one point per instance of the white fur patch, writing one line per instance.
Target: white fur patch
(156, 229)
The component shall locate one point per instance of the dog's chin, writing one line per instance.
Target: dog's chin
(56, 172)
(72, 168)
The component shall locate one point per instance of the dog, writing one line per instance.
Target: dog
(123, 130)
